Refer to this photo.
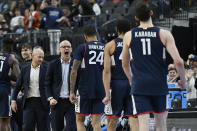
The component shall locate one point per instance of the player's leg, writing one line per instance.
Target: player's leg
(97, 111)
(119, 93)
(144, 122)
(82, 109)
(96, 122)
(160, 121)
(111, 123)
(134, 124)
(5, 110)
(2, 127)
(80, 122)
(142, 108)
(128, 111)
(160, 108)
(5, 124)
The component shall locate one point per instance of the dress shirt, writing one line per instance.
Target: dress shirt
(34, 83)
(64, 93)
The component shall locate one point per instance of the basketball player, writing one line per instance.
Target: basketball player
(114, 77)
(90, 85)
(149, 82)
(7, 62)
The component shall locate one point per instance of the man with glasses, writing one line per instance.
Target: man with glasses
(57, 89)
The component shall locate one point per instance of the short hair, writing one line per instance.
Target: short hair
(17, 9)
(89, 30)
(36, 48)
(7, 45)
(123, 26)
(27, 46)
(142, 11)
(170, 69)
(66, 41)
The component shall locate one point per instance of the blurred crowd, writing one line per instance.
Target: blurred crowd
(45, 14)
(191, 77)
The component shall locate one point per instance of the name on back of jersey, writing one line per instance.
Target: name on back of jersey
(2, 58)
(145, 34)
(119, 44)
(97, 47)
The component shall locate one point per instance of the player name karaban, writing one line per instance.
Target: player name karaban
(98, 47)
(145, 34)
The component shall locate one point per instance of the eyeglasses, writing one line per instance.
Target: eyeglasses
(65, 47)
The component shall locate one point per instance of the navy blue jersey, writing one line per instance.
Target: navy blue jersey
(117, 72)
(4, 71)
(91, 55)
(148, 65)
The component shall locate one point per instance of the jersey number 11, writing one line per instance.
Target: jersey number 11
(146, 46)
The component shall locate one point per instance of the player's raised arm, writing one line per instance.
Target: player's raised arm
(109, 48)
(168, 40)
(126, 57)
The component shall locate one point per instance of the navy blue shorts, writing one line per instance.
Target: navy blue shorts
(149, 104)
(89, 106)
(120, 100)
(5, 109)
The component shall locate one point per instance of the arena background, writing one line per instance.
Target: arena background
(178, 16)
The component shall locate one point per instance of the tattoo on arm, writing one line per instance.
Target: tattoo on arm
(15, 66)
(73, 75)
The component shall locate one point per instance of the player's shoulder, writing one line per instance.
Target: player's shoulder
(128, 33)
(109, 47)
(110, 44)
(81, 46)
(164, 31)
(164, 35)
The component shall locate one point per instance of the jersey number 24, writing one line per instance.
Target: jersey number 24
(96, 58)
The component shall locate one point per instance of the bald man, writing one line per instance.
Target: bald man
(35, 104)
(57, 87)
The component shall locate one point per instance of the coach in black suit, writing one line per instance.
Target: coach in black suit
(35, 104)
(57, 89)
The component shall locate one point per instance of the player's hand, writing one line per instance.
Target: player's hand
(14, 106)
(59, 20)
(72, 98)
(181, 84)
(106, 100)
(53, 102)
(130, 82)
(13, 83)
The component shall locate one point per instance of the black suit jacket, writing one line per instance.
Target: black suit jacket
(53, 81)
(24, 79)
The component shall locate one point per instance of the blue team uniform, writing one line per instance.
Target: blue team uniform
(120, 86)
(90, 84)
(149, 85)
(5, 90)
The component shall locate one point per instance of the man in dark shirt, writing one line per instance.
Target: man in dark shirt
(83, 8)
(26, 52)
(54, 16)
